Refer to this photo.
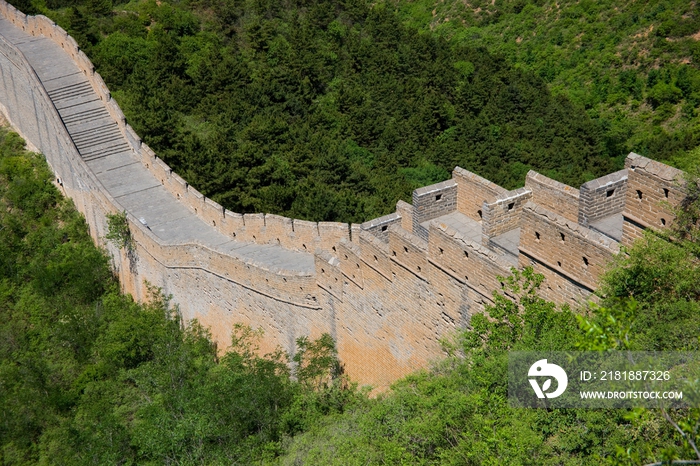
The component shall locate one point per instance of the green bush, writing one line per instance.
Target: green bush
(664, 93)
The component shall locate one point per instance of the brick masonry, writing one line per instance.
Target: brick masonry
(387, 290)
(553, 195)
(431, 202)
(652, 189)
(504, 213)
(602, 197)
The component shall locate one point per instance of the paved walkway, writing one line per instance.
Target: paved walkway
(107, 153)
(460, 222)
(610, 226)
(507, 242)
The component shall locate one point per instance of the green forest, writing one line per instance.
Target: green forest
(88, 376)
(334, 110)
(632, 65)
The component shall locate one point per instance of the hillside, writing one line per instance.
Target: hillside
(87, 376)
(292, 109)
(335, 110)
(324, 110)
(633, 65)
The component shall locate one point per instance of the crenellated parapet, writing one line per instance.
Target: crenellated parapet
(387, 290)
(653, 189)
(602, 198)
(553, 195)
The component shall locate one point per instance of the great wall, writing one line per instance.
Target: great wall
(386, 290)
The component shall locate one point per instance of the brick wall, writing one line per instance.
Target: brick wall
(408, 251)
(602, 197)
(405, 211)
(306, 234)
(475, 265)
(564, 247)
(330, 233)
(431, 202)
(350, 263)
(376, 254)
(279, 230)
(503, 214)
(379, 227)
(473, 191)
(386, 290)
(652, 188)
(553, 195)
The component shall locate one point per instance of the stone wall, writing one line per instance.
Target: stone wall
(553, 195)
(476, 266)
(213, 286)
(431, 202)
(504, 213)
(473, 191)
(379, 227)
(260, 228)
(652, 189)
(386, 290)
(573, 256)
(602, 197)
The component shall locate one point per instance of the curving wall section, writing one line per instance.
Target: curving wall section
(34, 54)
(387, 290)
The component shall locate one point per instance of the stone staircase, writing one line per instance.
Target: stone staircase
(107, 153)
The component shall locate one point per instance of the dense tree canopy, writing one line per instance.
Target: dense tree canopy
(325, 110)
(633, 65)
(87, 376)
(333, 110)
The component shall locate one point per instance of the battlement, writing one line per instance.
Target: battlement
(503, 214)
(653, 189)
(431, 202)
(553, 195)
(387, 290)
(602, 198)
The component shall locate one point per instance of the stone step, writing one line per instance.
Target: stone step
(68, 98)
(52, 84)
(105, 150)
(81, 88)
(84, 116)
(97, 139)
(88, 130)
(80, 100)
(84, 125)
